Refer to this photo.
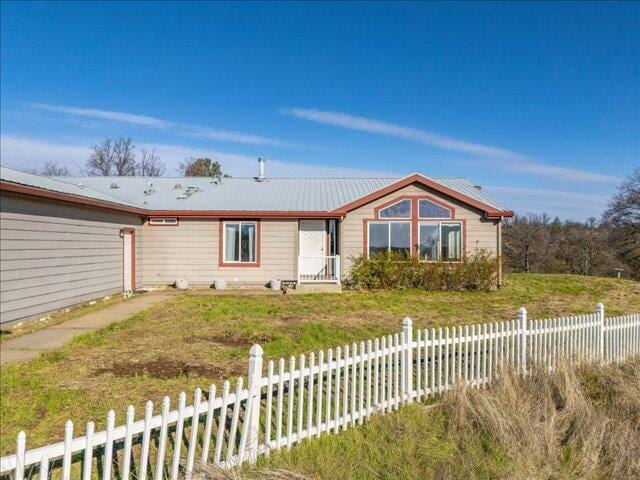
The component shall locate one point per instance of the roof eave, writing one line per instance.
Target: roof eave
(66, 197)
(488, 210)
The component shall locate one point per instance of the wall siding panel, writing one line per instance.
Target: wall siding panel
(190, 251)
(55, 254)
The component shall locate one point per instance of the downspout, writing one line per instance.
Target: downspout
(500, 252)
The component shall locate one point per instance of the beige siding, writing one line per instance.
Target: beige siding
(55, 255)
(480, 233)
(191, 250)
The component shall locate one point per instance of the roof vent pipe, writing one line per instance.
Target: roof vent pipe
(261, 162)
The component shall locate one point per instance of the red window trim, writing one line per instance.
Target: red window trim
(221, 262)
(415, 221)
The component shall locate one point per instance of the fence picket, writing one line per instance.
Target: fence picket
(328, 397)
(88, 453)
(193, 437)
(336, 408)
(146, 440)
(206, 438)
(319, 387)
(126, 468)
(280, 403)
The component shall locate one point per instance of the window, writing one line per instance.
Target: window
(163, 221)
(401, 209)
(240, 242)
(428, 209)
(389, 237)
(440, 241)
(429, 240)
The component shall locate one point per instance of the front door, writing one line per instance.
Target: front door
(128, 261)
(312, 247)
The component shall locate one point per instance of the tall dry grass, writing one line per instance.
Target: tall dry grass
(574, 423)
(579, 423)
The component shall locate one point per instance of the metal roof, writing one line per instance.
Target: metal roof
(228, 194)
(54, 184)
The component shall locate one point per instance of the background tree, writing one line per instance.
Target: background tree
(525, 242)
(623, 216)
(201, 167)
(149, 164)
(51, 169)
(113, 157)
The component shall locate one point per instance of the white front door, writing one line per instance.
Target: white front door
(312, 246)
(127, 262)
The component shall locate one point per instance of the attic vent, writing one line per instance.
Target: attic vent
(190, 190)
(114, 185)
(80, 185)
(478, 187)
(177, 186)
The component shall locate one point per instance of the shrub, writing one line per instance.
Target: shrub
(479, 271)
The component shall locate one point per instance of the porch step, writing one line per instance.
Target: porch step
(317, 288)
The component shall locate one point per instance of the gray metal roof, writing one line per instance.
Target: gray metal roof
(54, 184)
(229, 194)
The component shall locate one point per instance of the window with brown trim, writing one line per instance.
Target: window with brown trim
(392, 236)
(400, 209)
(240, 242)
(429, 209)
(440, 241)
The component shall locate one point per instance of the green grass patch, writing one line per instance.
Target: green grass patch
(195, 339)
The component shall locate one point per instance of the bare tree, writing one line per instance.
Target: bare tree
(150, 164)
(51, 169)
(201, 167)
(623, 215)
(113, 157)
(525, 241)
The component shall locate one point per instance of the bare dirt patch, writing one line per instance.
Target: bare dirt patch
(228, 340)
(162, 368)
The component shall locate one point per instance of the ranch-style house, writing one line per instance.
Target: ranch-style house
(67, 240)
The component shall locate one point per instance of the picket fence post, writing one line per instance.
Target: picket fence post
(253, 401)
(522, 323)
(407, 332)
(600, 313)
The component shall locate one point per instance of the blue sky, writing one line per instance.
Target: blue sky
(540, 103)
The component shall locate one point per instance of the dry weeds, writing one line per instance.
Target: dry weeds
(582, 423)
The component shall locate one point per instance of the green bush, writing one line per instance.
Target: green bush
(478, 271)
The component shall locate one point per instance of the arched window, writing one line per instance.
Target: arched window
(401, 209)
(429, 209)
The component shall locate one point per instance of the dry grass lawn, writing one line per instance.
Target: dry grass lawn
(573, 424)
(194, 339)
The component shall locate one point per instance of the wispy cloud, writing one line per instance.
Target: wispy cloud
(25, 153)
(503, 158)
(183, 129)
(566, 204)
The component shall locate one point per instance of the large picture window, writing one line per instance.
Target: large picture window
(240, 242)
(390, 237)
(440, 241)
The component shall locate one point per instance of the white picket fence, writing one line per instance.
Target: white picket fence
(316, 394)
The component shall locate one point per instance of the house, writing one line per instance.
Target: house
(68, 240)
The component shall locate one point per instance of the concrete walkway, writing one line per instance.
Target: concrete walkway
(28, 346)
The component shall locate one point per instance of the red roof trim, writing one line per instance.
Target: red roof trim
(67, 197)
(241, 214)
(417, 178)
